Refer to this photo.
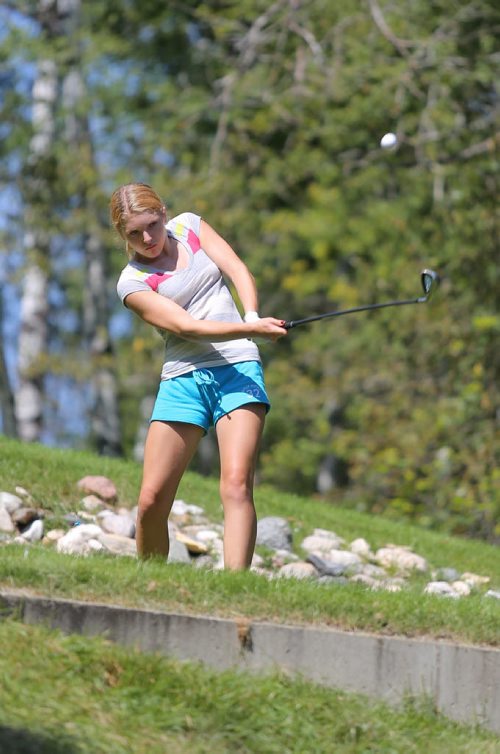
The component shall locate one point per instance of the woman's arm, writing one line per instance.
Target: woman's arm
(162, 312)
(231, 266)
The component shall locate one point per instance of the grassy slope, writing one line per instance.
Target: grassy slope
(51, 476)
(96, 698)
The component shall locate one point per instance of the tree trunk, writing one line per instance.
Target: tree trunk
(104, 412)
(33, 334)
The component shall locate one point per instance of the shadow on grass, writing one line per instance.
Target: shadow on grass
(21, 741)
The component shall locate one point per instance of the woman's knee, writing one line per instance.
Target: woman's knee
(152, 501)
(236, 488)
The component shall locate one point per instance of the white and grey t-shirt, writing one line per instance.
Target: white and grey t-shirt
(201, 290)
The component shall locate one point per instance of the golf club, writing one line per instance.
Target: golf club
(430, 281)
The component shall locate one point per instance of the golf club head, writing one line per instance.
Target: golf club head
(430, 281)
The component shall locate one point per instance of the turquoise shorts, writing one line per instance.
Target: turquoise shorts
(203, 396)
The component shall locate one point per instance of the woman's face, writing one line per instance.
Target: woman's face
(146, 234)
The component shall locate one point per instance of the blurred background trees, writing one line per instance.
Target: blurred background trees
(266, 118)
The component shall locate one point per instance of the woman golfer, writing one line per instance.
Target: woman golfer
(212, 373)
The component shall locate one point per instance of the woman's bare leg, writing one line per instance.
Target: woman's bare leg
(239, 434)
(169, 448)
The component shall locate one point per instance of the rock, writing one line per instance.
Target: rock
(321, 541)
(493, 594)
(54, 534)
(75, 541)
(88, 517)
(281, 557)
(298, 570)
(6, 523)
(10, 502)
(100, 486)
(193, 546)
(95, 545)
(446, 574)
(34, 532)
(317, 544)
(401, 558)
(474, 580)
(442, 588)
(462, 588)
(117, 544)
(330, 535)
(325, 568)
(23, 493)
(208, 535)
(178, 552)
(343, 557)
(91, 503)
(375, 572)
(180, 508)
(113, 523)
(274, 532)
(361, 547)
(24, 516)
(71, 519)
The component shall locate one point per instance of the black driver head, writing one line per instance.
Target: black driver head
(430, 281)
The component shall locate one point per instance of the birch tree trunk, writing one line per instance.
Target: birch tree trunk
(104, 411)
(33, 333)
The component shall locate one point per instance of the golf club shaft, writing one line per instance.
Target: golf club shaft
(327, 315)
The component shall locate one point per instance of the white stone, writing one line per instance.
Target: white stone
(361, 547)
(84, 516)
(34, 532)
(92, 503)
(493, 593)
(113, 523)
(207, 535)
(375, 572)
(118, 545)
(22, 492)
(75, 541)
(441, 588)
(343, 557)
(195, 510)
(10, 502)
(95, 546)
(318, 544)
(6, 523)
(299, 570)
(401, 558)
(54, 534)
(474, 580)
(179, 508)
(462, 588)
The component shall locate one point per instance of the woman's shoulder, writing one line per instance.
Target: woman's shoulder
(185, 221)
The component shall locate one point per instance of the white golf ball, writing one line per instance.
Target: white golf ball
(389, 141)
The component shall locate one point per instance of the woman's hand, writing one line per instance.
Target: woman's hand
(267, 327)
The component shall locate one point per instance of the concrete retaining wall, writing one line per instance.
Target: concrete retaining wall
(463, 681)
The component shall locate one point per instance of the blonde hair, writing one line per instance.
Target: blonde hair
(132, 199)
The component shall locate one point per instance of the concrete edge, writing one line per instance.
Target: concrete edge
(463, 681)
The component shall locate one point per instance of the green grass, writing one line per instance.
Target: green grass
(51, 476)
(97, 698)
